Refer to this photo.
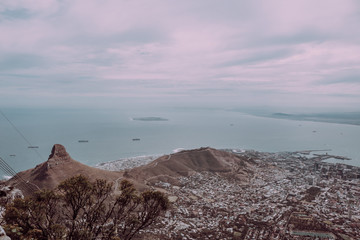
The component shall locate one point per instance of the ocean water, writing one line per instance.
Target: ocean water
(110, 134)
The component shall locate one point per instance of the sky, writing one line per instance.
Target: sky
(92, 53)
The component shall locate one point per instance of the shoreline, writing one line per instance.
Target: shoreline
(136, 161)
(344, 121)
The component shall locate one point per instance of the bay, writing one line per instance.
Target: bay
(111, 132)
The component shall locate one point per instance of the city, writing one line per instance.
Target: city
(289, 195)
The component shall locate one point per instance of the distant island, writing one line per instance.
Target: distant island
(150, 119)
(352, 118)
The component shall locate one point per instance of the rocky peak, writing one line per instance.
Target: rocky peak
(58, 153)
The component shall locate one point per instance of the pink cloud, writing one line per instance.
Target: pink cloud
(276, 46)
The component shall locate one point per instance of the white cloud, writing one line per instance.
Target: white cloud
(123, 48)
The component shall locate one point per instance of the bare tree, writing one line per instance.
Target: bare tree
(80, 209)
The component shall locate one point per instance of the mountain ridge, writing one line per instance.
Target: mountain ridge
(168, 168)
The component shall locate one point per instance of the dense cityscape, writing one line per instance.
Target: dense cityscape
(289, 195)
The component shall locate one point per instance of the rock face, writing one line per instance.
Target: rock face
(58, 157)
(58, 153)
(56, 169)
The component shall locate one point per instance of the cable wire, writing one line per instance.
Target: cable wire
(22, 135)
(7, 169)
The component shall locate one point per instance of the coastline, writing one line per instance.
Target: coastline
(308, 155)
(127, 163)
(346, 119)
(110, 134)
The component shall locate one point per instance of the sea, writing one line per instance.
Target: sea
(93, 136)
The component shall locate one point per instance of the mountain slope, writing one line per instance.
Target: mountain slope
(168, 168)
(56, 169)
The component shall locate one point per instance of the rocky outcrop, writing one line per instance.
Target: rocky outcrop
(58, 153)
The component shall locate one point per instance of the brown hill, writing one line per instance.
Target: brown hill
(56, 169)
(168, 168)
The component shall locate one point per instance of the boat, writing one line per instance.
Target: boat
(136, 139)
(33, 146)
(83, 141)
(12, 155)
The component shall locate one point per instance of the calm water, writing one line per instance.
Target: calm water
(110, 134)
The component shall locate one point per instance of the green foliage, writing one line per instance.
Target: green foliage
(14, 231)
(80, 209)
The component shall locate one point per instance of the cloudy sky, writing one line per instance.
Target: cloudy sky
(243, 53)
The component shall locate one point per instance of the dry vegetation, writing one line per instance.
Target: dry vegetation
(81, 209)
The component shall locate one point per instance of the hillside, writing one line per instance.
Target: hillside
(57, 168)
(168, 168)
(185, 163)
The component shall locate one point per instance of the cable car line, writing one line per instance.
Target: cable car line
(7, 169)
(22, 135)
